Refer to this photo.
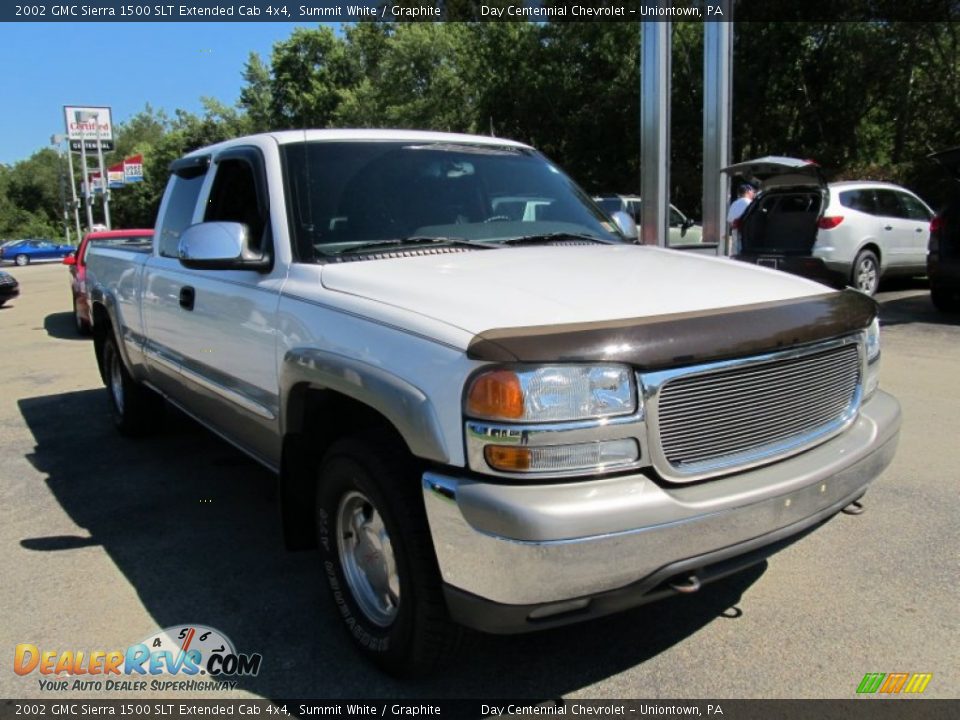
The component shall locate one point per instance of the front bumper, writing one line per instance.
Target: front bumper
(508, 551)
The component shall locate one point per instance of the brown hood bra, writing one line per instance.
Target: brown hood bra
(666, 341)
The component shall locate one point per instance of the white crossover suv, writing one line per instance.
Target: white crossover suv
(843, 233)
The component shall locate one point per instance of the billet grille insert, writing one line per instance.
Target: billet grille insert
(757, 409)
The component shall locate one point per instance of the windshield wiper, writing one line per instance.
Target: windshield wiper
(418, 240)
(546, 238)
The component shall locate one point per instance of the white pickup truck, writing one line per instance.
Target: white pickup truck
(484, 406)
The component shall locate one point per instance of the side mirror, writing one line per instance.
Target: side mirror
(626, 224)
(70, 259)
(220, 246)
(688, 223)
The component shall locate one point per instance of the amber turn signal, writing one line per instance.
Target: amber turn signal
(496, 395)
(508, 459)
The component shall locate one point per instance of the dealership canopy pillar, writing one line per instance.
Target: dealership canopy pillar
(717, 114)
(655, 132)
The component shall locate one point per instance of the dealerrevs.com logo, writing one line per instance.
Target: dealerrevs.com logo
(183, 657)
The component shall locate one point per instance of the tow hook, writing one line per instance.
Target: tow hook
(689, 585)
(854, 508)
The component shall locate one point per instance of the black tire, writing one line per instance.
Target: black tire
(945, 300)
(394, 611)
(865, 274)
(81, 325)
(136, 410)
(21, 260)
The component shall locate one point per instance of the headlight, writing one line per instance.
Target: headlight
(871, 346)
(559, 420)
(552, 393)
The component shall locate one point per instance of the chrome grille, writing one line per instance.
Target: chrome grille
(737, 414)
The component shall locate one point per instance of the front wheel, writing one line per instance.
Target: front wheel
(21, 260)
(378, 557)
(135, 409)
(865, 275)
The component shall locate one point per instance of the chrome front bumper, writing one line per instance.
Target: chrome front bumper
(532, 545)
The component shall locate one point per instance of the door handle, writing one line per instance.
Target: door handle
(919, 230)
(187, 296)
(888, 227)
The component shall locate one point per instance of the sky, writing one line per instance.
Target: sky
(169, 65)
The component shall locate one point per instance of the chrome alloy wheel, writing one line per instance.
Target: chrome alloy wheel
(367, 559)
(867, 275)
(116, 381)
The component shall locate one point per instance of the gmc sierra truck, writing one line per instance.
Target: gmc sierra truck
(486, 406)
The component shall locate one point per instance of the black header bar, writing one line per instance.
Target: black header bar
(313, 11)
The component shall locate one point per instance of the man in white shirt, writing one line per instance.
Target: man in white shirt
(745, 195)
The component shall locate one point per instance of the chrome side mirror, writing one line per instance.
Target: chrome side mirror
(220, 246)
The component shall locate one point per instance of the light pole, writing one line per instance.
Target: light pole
(58, 140)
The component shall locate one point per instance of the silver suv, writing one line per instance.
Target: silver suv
(842, 233)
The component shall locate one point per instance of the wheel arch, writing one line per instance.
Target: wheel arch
(327, 397)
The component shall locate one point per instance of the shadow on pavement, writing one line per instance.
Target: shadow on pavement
(194, 526)
(914, 308)
(62, 326)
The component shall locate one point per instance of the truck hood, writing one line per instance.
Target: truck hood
(552, 285)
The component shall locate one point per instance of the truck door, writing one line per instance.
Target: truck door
(218, 326)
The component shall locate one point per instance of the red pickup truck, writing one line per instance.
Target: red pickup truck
(77, 261)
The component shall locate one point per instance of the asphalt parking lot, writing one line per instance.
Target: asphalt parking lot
(103, 540)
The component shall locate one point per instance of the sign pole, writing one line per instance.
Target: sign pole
(86, 183)
(104, 185)
(73, 192)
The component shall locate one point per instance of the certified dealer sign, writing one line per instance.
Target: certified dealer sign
(86, 124)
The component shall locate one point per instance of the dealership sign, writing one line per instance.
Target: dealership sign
(133, 168)
(85, 125)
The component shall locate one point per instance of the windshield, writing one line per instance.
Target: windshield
(348, 196)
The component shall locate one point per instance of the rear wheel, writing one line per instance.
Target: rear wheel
(865, 275)
(135, 409)
(22, 260)
(378, 556)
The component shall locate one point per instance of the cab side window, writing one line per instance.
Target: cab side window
(233, 198)
(184, 192)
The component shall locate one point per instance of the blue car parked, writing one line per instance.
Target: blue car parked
(24, 252)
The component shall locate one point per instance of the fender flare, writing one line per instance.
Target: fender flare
(403, 404)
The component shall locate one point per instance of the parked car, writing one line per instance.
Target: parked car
(943, 258)
(841, 233)
(508, 424)
(682, 229)
(9, 287)
(77, 261)
(24, 252)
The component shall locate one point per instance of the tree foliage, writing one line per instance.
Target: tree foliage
(867, 100)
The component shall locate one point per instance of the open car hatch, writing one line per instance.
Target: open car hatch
(775, 171)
